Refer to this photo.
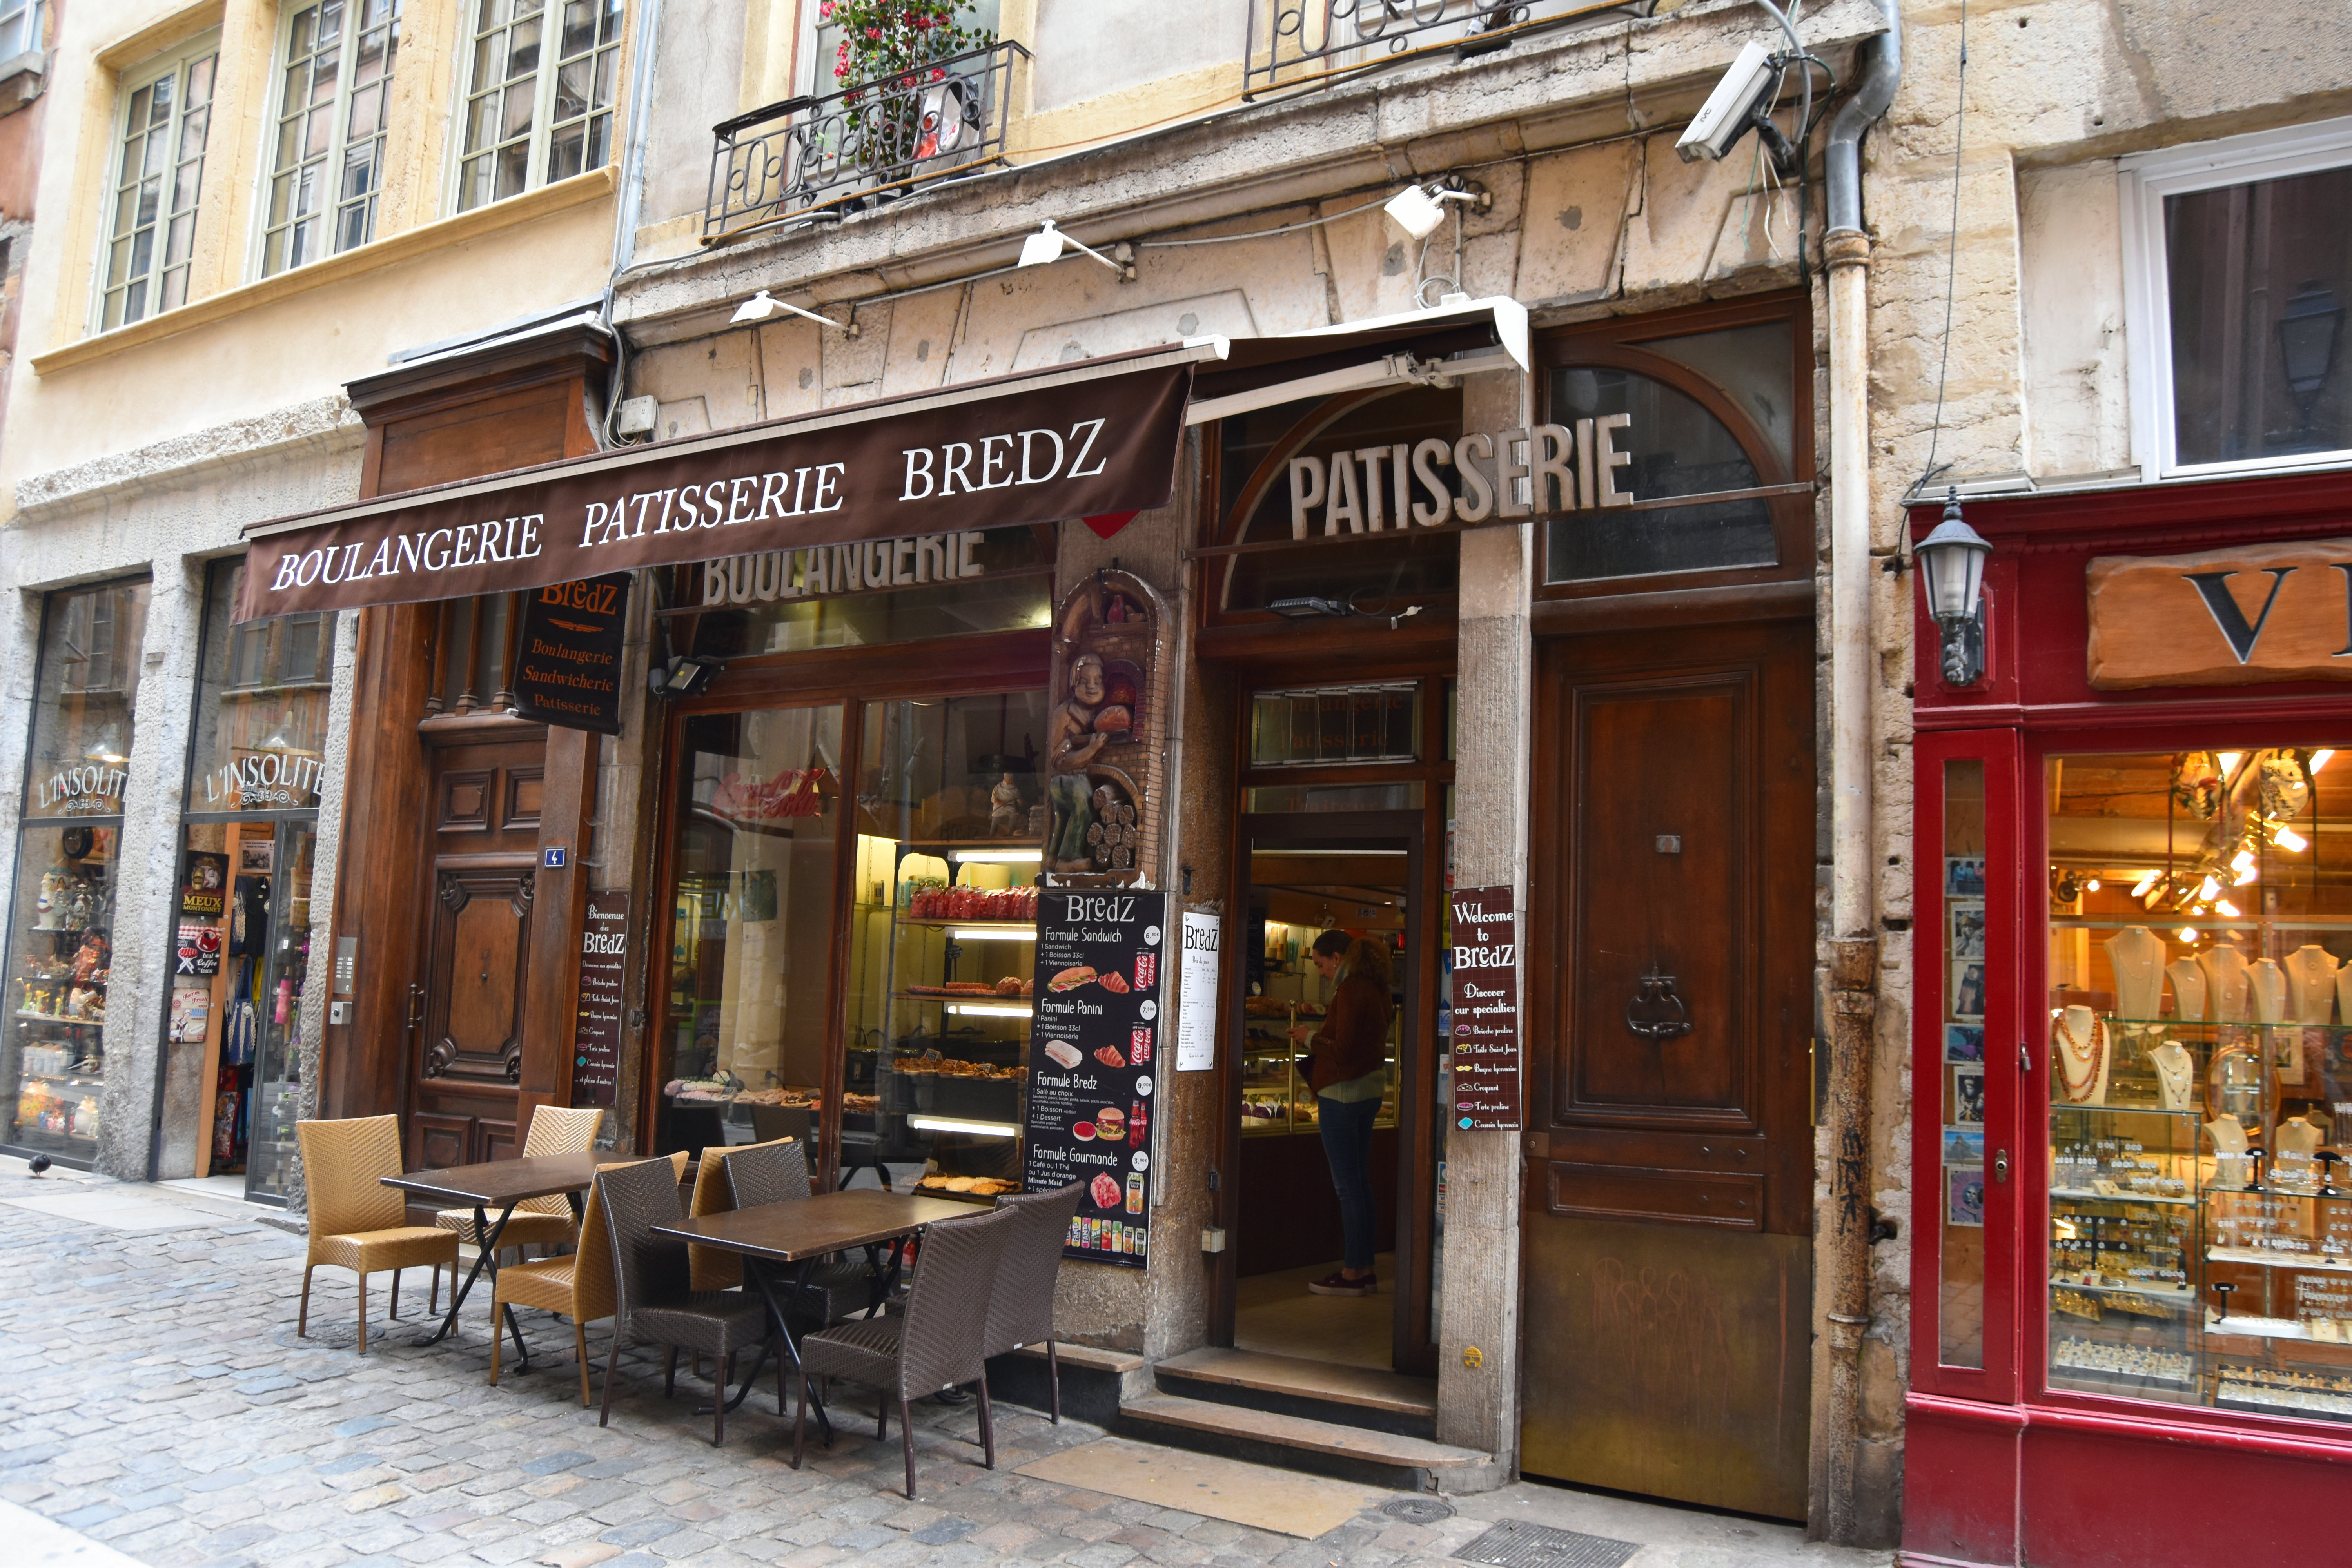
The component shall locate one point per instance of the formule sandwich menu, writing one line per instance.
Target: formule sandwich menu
(1093, 1058)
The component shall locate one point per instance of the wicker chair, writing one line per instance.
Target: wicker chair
(547, 1221)
(655, 1298)
(578, 1285)
(715, 1267)
(1021, 1307)
(777, 1174)
(933, 1345)
(358, 1223)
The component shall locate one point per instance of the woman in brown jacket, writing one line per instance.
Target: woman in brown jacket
(1348, 1070)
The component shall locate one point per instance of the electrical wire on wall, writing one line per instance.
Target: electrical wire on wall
(1951, 261)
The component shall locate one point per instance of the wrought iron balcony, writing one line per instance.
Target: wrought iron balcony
(813, 157)
(1312, 43)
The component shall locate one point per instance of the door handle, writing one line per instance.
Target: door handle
(1657, 1014)
(2000, 1164)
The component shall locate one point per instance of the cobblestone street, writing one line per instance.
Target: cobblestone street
(158, 1402)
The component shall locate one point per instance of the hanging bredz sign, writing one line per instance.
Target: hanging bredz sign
(1028, 454)
(569, 672)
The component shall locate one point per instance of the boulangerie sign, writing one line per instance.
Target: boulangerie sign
(1025, 454)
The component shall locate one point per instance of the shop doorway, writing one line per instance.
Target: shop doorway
(1667, 1223)
(1306, 872)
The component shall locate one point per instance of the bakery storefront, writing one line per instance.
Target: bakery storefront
(2133, 1024)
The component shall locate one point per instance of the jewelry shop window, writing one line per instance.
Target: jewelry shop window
(2199, 1019)
(1340, 467)
(61, 939)
(1706, 415)
(241, 916)
(952, 819)
(2237, 277)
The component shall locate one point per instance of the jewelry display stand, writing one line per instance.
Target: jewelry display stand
(2085, 1055)
(2266, 982)
(2310, 978)
(2228, 983)
(2137, 955)
(2188, 989)
(2230, 1145)
(2175, 1075)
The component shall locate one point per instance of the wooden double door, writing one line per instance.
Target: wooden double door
(471, 988)
(1667, 1226)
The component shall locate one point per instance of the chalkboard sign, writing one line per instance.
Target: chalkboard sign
(596, 1017)
(1094, 1058)
(570, 669)
(1485, 1008)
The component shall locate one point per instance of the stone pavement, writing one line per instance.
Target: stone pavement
(156, 1400)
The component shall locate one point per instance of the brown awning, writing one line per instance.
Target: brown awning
(1080, 440)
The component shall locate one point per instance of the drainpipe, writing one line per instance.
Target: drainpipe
(1853, 947)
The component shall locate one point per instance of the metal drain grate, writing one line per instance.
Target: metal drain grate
(1418, 1510)
(1512, 1544)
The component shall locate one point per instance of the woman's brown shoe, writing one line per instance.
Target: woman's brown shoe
(1337, 1283)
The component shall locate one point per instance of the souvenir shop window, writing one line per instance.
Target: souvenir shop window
(2200, 1216)
(261, 706)
(2237, 277)
(1716, 437)
(952, 816)
(860, 595)
(757, 817)
(1385, 566)
(60, 937)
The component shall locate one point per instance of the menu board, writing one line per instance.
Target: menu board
(596, 1017)
(1196, 1023)
(1485, 1008)
(1093, 1057)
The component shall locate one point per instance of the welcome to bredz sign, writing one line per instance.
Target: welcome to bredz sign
(1026, 454)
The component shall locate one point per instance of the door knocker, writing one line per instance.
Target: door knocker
(1656, 1013)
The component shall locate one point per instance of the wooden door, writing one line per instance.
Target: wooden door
(1667, 1217)
(472, 985)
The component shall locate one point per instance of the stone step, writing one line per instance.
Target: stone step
(1295, 1442)
(1370, 1398)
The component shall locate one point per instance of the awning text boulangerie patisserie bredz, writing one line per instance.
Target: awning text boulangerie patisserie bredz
(1025, 454)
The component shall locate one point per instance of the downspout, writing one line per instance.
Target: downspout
(1852, 946)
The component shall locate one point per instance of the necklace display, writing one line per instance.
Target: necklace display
(2089, 1054)
(2176, 1072)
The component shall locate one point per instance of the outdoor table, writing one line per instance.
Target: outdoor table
(800, 1234)
(504, 1185)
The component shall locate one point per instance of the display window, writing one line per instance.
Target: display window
(240, 921)
(60, 937)
(2199, 1015)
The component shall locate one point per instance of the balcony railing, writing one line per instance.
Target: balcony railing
(814, 157)
(1310, 43)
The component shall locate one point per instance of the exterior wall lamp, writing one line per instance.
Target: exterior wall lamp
(1951, 568)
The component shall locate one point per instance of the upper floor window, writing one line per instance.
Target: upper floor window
(327, 164)
(158, 176)
(20, 28)
(531, 120)
(2238, 269)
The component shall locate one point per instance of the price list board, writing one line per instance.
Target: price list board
(596, 1020)
(1485, 1009)
(1094, 1054)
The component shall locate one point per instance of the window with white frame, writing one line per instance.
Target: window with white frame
(2238, 272)
(327, 159)
(159, 171)
(541, 78)
(20, 28)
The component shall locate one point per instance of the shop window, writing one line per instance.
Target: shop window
(1960, 1312)
(2237, 276)
(2200, 1240)
(951, 824)
(159, 169)
(541, 86)
(61, 939)
(1719, 442)
(1374, 724)
(860, 595)
(1378, 565)
(327, 161)
(240, 923)
(758, 819)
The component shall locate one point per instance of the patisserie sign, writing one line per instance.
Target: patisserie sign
(1093, 1057)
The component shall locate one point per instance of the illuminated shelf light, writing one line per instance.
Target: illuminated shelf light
(958, 1124)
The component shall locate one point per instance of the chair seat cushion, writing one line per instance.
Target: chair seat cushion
(715, 1322)
(372, 1251)
(544, 1282)
(864, 1349)
(525, 1228)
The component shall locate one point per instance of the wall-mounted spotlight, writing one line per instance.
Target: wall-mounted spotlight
(1047, 246)
(685, 676)
(1951, 568)
(762, 305)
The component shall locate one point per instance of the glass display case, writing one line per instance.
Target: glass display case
(2200, 1038)
(1275, 1095)
(63, 939)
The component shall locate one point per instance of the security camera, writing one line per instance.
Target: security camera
(1738, 102)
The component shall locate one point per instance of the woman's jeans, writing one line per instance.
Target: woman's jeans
(1348, 1144)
